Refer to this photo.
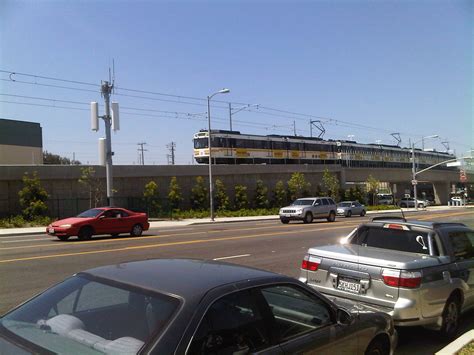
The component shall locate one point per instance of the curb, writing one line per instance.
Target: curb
(453, 347)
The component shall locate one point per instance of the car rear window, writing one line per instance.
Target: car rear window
(393, 239)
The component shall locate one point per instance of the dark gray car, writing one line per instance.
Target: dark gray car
(183, 306)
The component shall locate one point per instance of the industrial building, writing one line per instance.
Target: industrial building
(21, 143)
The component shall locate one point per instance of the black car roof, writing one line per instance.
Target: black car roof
(187, 278)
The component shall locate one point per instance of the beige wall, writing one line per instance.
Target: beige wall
(15, 154)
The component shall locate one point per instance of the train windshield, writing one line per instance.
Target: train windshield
(200, 143)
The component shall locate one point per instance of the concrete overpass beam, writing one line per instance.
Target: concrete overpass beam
(441, 192)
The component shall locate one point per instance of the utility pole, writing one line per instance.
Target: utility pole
(106, 89)
(171, 147)
(294, 128)
(230, 115)
(142, 150)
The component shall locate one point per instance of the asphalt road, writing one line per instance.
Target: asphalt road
(31, 263)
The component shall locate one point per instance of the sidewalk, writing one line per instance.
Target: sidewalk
(194, 221)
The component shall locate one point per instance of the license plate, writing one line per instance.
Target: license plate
(51, 230)
(349, 286)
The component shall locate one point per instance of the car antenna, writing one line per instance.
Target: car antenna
(403, 214)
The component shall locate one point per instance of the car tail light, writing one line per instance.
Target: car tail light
(396, 226)
(406, 279)
(310, 263)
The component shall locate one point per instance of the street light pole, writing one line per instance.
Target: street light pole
(209, 139)
(413, 168)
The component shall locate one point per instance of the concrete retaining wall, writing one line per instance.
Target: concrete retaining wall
(66, 193)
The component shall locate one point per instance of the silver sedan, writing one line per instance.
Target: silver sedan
(349, 208)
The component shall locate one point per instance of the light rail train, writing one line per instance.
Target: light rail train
(232, 147)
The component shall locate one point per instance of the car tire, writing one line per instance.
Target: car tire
(362, 214)
(332, 216)
(450, 318)
(377, 347)
(308, 217)
(137, 230)
(420, 205)
(85, 233)
(349, 214)
(63, 237)
(284, 220)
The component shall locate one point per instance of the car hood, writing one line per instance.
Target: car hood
(71, 220)
(343, 208)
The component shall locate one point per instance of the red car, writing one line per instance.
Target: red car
(101, 220)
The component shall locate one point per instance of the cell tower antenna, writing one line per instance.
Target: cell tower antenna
(397, 138)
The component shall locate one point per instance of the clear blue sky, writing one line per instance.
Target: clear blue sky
(396, 66)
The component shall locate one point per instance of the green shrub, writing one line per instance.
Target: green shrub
(222, 200)
(260, 199)
(199, 195)
(174, 194)
(382, 208)
(279, 195)
(240, 197)
(298, 186)
(32, 197)
(21, 222)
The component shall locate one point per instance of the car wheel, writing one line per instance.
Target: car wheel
(308, 217)
(85, 233)
(136, 230)
(332, 216)
(450, 316)
(63, 237)
(420, 205)
(377, 347)
(284, 220)
(349, 214)
(362, 214)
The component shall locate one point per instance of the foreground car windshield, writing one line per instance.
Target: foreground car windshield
(90, 213)
(83, 315)
(302, 203)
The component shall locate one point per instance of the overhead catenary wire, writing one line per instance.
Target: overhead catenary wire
(288, 114)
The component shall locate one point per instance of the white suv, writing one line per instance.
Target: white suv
(308, 208)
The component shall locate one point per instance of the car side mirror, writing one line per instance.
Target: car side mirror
(343, 317)
(101, 217)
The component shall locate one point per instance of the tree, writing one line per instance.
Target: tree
(279, 194)
(372, 188)
(359, 195)
(33, 197)
(240, 197)
(50, 158)
(298, 186)
(318, 191)
(152, 198)
(222, 200)
(261, 195)
(199, 194)
(93, 184)
(174, 194)
(331, 185)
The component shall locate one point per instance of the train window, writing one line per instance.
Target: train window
(293, 146)
(279, 145)
(200, 143)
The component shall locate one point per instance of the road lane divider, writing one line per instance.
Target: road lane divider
(161, 245)
(54, 243)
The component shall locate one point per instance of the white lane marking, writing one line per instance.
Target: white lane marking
(232, 257)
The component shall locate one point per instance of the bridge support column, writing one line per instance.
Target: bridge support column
(441, 192)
